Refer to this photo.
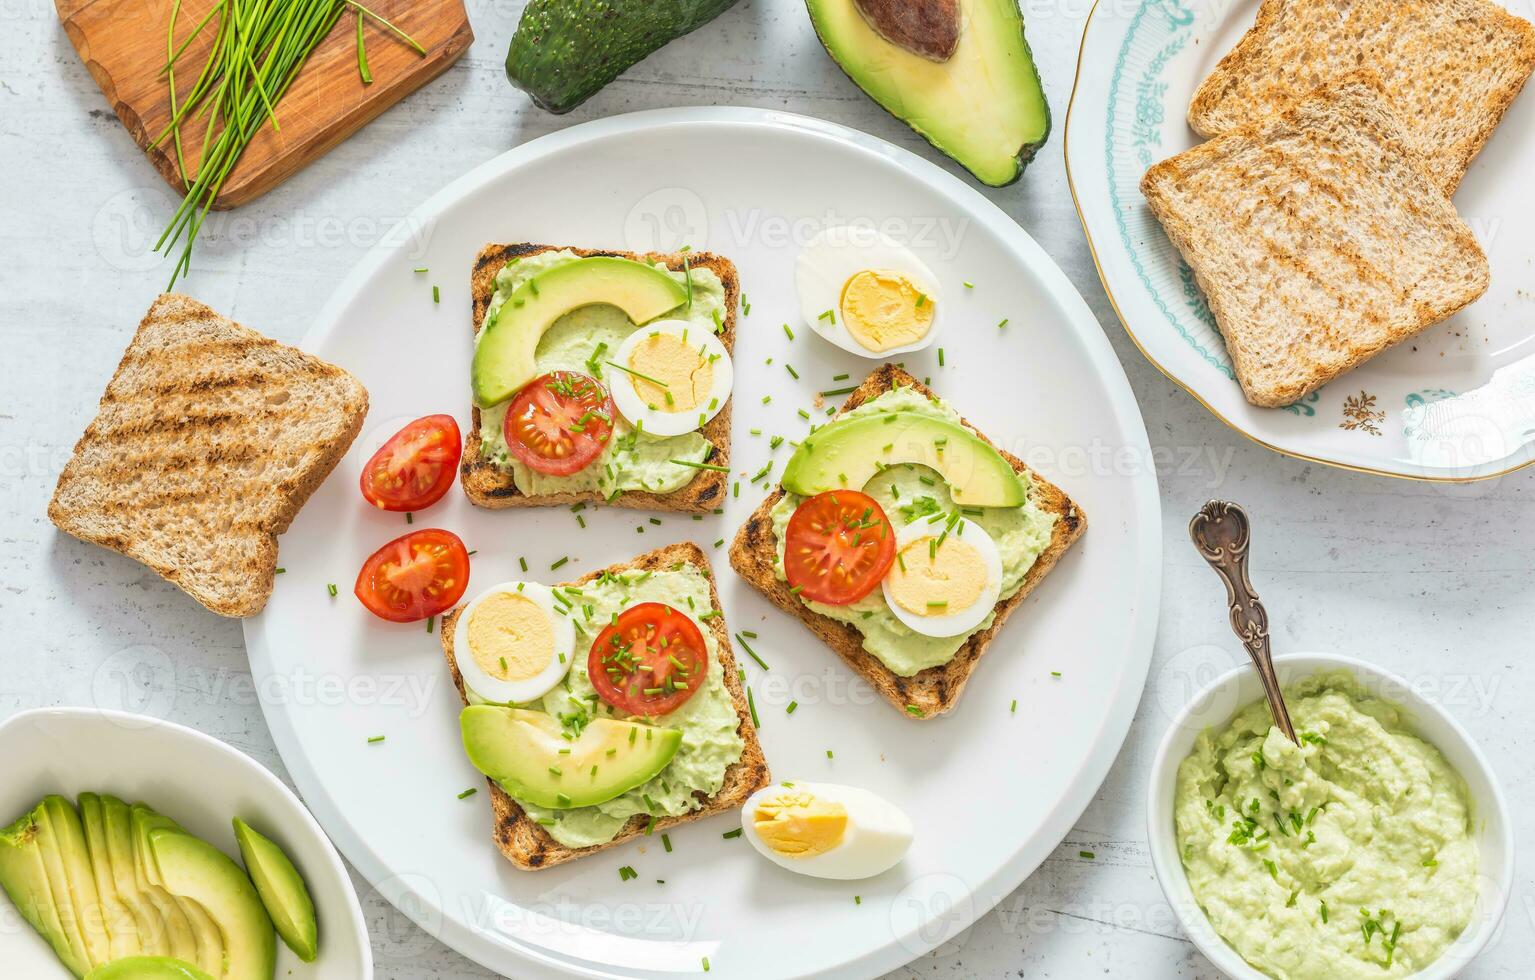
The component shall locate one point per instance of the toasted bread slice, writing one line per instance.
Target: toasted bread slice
(1450, 68)
(528, 845)
(208, 440)
(488, 485)
(933, 691)
(1317, 237)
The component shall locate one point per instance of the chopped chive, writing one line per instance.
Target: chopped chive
(419, 268)
(719, 542)
(666, 842)
(857, 899)
(790, 709)
(331, 588)
(751, 703)
(829, 317)
(410, 518)
(436, 295)
(792, 373)
(1087, 855)
(523, 562)
(642, 377)
(788, 331)
(969, 284)
(731, 834)
(375, 739)
(429, 621)
(838, 391)
(1002, 324)
(912, 709)
(940, 357)
(467, 793)
(559, 563)
(839, 377)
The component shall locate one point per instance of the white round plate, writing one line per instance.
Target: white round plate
(196, 780)
(990, 791)
(1456, 403)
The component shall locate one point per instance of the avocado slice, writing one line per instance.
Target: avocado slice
(122, 929)
(503, 355)
(564, 51)
(25, 877)
(148, 968)
(204, 876)
(520, 749)
(194, 937)
(117, 826)
(847, 453)
(983, 105)
(74, 861)
(282, 891)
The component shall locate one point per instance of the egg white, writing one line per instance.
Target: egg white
(951, 622)
(658, 420)
(516, 691)
(878, 834)
(837, 254)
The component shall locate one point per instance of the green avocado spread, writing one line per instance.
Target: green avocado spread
(1347, 856)
(707, 720)
(906, 492)
(582, 340)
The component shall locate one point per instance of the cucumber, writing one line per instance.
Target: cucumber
(565, 51)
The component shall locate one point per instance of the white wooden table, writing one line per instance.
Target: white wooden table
(1435, 583)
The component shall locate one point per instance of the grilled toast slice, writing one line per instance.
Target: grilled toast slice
(931, 692)
(528, 845)
(488, 485)
(208, 441)
(1450, 68)
(1317, 237)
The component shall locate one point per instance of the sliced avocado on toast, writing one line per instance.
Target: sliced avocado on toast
(565, 51)
(959, 72)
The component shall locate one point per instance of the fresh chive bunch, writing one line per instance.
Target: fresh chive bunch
(259, 49)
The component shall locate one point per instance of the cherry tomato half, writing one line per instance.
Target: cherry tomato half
(650, 661)
(838, 546)
(415, 467)
(559, 422)
(416, 575)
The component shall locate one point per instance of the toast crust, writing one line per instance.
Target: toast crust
(1278, 363)
(489, 486)
(528, 845)
(935, 690)
(181, 447)
(1247, 82)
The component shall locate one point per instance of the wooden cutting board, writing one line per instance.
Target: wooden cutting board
(124, 45)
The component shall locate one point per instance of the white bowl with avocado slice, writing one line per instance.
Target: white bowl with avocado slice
(1380, 843)
(135, 815)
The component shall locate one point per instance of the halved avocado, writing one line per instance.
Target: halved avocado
(147, 968)
(197, 871)
(522, 750)
(846, 454)
(504, 354)
(282, 891)
(983, 105)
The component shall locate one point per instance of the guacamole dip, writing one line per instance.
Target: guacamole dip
(906, 492)
(707, 720)
(580, 341)
(1347, 856)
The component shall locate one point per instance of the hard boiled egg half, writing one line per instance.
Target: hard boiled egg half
(947, 575)
(826, 831)
(512, 645)
(671, 378)
(866, 292)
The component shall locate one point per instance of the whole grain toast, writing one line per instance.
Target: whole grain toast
(1451, 69)
(931, 692)
(528, 845)
(488, 485)
(207, 442)
(1317, 237)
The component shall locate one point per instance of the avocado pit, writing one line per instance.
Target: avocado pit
(926, 28)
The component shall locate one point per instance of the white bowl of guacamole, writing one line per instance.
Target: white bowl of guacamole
(1379, 847)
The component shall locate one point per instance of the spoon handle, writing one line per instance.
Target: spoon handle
(1222, 533)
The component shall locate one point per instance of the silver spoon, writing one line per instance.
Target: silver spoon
(1222, 534)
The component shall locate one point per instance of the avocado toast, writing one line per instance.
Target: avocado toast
(488, 483)
(523, 839)
(931, 691)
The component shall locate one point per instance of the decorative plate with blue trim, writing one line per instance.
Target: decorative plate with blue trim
(1455, 403)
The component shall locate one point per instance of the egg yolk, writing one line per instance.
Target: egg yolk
(510, 637)
(932, 579)
(884, 309)
(677, 377)
(799, 824)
